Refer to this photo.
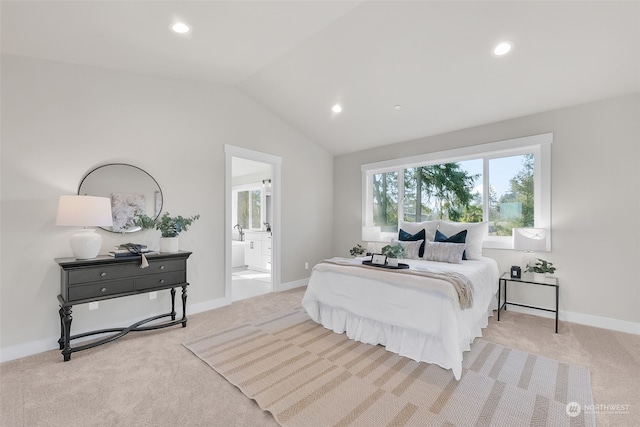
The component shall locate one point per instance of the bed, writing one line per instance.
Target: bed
(417, 312)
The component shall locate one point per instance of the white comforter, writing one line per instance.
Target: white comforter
(421, 323)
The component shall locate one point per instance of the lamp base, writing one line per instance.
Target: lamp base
(528, 257)
(86, 244)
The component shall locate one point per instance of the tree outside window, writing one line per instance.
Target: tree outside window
(514, 207)
(385, 201)
(444, 191)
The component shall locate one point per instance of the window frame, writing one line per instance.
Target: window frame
(539, 145)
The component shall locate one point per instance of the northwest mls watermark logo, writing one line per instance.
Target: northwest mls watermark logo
(573, 409)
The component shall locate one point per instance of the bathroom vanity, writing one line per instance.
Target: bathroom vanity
(257, 250)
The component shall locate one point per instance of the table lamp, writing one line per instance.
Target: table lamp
(529, 240)
(85, 211)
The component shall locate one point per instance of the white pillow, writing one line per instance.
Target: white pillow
(475, 234)
(411, 248)
(430, 228)
(444, 252)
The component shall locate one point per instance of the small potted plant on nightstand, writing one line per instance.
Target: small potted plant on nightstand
(540, 269)
(357, 250)
(170, 227)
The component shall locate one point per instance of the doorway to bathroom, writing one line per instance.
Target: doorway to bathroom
(252, 218)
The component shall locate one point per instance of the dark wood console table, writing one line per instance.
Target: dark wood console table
(105, 277)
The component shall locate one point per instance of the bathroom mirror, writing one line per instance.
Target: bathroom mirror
(130, 189)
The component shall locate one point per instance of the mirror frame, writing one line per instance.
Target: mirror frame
(101, 168)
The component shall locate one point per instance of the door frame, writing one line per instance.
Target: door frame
(232, 151)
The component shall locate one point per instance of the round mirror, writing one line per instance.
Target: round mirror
(130, 189)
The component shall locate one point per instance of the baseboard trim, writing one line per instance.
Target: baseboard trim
(34, 347)
(291, 285)
(39, 346)
(27, 349)
(207, 305)
(583, 319)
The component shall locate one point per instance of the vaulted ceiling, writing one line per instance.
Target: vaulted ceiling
(432, 59)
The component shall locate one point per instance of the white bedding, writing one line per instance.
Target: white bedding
(417, 322)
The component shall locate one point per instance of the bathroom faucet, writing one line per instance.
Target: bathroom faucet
(239, 227)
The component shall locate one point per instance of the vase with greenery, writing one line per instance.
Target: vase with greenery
(357, 250)
(393, 253)
(540, 268)
(169, 226)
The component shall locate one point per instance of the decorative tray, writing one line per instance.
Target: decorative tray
(400, 265)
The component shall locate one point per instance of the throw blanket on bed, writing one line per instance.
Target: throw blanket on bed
(462, 286)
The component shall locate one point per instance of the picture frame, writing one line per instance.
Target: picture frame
(378, 259)
(516, 272)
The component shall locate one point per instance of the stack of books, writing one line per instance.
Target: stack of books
(128, 250)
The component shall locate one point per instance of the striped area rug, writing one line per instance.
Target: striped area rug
(306, 375)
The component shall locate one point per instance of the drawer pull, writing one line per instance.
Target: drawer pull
(161, 281)
(103, 274)
(162, 267)
(103, 290)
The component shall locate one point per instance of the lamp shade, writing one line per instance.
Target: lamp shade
(371, 234)
(85, 211)
(530, 239)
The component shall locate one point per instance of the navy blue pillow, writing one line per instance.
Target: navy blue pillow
(407, 237)
(461, 237)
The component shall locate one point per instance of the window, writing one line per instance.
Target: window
(248, 207)
(506, 184)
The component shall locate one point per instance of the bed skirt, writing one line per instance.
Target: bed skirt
(410, 343)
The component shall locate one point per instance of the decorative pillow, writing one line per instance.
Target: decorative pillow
(411, 248)
(429, 227)
(475, 234)
(444, 252)
(403, 236)
(460, 237)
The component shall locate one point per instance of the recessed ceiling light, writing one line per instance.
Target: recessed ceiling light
(397, 107)
(502, 48)
(336, 108)
(180, 28)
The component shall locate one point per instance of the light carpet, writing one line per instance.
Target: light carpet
(306, 375)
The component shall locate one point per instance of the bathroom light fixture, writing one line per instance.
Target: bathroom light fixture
(180, 28)
(85, 211)
(502, 48)
(336, 108)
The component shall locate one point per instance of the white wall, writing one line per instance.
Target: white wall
(59, 121)
(595, 205)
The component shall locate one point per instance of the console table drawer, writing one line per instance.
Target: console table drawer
(102, 273)
(99, 289)
(158, 280)
(163, 266)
